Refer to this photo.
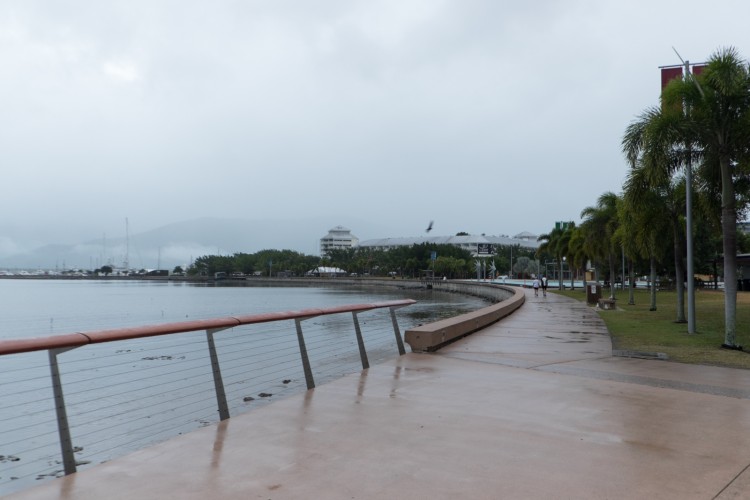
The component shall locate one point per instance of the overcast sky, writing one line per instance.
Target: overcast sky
(486, 116)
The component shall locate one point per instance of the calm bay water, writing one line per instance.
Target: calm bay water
(123, 396)
(35, 308)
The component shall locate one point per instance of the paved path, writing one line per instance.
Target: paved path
(533, 407)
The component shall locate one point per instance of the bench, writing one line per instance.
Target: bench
(606, 303)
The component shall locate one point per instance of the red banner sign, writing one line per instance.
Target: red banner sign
(669, 74)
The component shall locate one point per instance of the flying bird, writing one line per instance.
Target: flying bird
(429, 227)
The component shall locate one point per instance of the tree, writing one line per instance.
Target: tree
(576, 254)
(525, 267)
(106, 270)
(556, 244)
(599, 226)
(564, 249)
(343, 258)
(653, 201)
(644, 220)
(717, 125)
(449, 266)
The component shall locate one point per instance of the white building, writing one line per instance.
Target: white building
(477, 245)
(337, 238)
(527, 236)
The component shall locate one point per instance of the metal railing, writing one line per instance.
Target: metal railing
(60, 344)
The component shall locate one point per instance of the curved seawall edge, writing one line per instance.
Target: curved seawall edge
(433, 336)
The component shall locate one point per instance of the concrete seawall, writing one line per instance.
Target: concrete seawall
(428, 337)
(433, 336)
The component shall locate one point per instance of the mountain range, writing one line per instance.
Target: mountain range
(180, 243)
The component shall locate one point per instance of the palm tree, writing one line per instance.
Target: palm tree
(646, 215)
(576, 254)
(555, 243)
(625, 235)
(568, 252)
(654, 150)
(718, 126)
(599, 226)
(563, 247)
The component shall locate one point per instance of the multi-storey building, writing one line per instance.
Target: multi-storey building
(337, 238)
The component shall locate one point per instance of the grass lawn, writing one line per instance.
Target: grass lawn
(636, 328)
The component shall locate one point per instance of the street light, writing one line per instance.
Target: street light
(688, 199)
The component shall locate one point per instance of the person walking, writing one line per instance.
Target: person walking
(544, 285)
(536, 286)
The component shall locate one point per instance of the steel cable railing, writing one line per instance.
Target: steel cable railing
(128, 388)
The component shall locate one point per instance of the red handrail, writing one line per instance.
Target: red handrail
(77, 339)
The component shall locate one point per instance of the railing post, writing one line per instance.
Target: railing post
(63, 429)
(399, 340)
(360, 342)
(303, 353)
(221, 396)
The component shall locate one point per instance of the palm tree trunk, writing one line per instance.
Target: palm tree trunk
(631, 280)
(611, 277)
(729, 241)
(653, 284)
(572, 277)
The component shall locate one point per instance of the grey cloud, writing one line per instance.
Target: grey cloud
(485, 116)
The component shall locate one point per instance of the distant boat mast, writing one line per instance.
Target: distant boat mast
(126, 263)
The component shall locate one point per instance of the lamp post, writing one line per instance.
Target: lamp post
(689, 233)
(688, 201)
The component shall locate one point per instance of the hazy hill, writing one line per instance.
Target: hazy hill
(180, 242)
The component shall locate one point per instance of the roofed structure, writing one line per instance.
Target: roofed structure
(526, 236)
(468, 242)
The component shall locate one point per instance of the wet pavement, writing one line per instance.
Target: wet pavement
(533, 407)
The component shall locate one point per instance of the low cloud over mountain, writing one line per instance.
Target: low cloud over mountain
(179, 243)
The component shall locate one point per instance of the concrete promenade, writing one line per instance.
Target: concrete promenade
(533, 407)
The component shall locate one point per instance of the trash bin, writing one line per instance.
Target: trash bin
(593, 292)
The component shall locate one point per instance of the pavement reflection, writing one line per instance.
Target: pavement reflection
(533, 407)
